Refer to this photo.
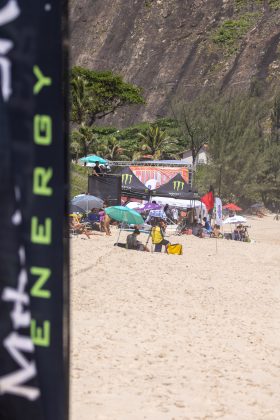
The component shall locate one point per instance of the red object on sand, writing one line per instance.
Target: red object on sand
(232, 206)
(208, 200)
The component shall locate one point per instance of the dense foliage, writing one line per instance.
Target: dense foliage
(242, 136)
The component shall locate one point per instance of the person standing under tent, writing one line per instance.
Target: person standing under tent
(167, 211)
(96, 170)
(175, 215)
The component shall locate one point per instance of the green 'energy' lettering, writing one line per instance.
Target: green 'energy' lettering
(43, 189)
(42, 126)
(43, 275)
(42, 80)
(41, 335)
(41, 234)
(41, 178)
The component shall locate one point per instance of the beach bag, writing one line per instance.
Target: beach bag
(176, 249)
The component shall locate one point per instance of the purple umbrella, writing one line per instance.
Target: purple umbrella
(148, 207)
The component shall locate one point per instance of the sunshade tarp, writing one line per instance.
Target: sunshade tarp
(183, 204)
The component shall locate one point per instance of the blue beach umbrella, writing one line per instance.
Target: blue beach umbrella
(93, 159)
(125, 215)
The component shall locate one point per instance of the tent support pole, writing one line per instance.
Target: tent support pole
(119, 234)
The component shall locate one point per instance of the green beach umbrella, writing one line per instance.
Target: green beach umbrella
(124, 214)
(93, 159)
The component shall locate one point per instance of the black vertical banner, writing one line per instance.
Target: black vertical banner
(34, 274)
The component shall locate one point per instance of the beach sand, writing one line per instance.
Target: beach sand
(162, 337)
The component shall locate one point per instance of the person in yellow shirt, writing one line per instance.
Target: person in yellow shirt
(158, 240)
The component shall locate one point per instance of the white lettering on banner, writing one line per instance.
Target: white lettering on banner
(16, 344)
(8, 13)
(12, 383)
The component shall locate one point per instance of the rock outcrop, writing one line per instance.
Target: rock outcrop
(175, 48)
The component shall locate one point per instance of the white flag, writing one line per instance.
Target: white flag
(219, 211)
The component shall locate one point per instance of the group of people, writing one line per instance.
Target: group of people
(240, 233)
(205, 229)
(157, 234)
(188, 223)
(95, 220)
(99, 220)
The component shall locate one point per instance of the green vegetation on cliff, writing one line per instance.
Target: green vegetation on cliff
(231, 32)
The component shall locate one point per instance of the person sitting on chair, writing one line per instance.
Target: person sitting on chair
(196, 228)
(237, 234)
(94, 219)
(78, 227)
(158, 236)
(133, 243)
(216, 233)
(207, 225)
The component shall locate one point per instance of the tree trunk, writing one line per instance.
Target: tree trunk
(85, 147)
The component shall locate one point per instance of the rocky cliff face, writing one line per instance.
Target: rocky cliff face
(176, 48)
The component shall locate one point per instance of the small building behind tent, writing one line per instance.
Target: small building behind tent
(201, 159)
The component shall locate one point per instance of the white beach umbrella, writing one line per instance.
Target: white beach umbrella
(87, 201)
(133, 205)
(234, 220)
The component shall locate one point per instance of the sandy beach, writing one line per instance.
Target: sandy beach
(166, 337)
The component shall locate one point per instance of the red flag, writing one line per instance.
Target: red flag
(208, 200)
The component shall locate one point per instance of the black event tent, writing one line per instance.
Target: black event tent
(176, 187)
(132, 186)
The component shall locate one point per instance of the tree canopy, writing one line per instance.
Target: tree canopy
(241, 131)
(97, 94)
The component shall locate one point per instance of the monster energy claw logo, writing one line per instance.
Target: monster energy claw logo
(178, 185)
(126, 179)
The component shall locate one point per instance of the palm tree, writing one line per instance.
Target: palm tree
(83, 135)
(113, 150)
(156, 143)
(75, 148)
(80, 100)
